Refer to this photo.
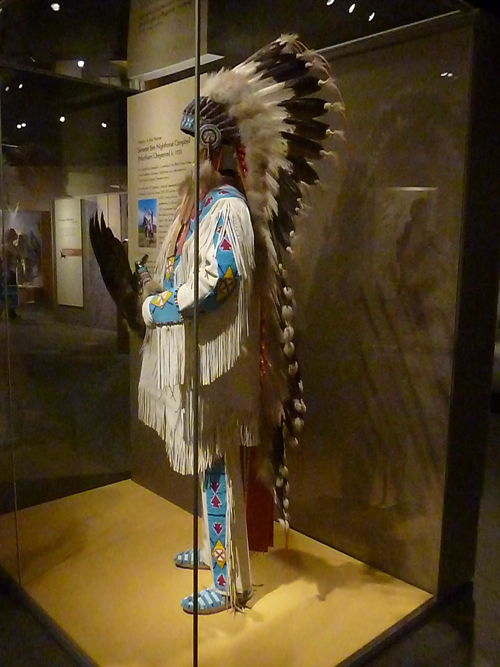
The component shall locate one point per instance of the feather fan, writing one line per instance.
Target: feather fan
(120, 281)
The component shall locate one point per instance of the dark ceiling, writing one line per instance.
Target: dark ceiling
(41, 83)
(39, 48)
(33, 34)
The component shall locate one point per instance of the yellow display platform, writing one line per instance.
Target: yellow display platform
(100, 564)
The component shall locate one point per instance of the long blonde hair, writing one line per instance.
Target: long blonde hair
(209, 179)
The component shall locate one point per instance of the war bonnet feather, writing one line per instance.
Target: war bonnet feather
(279, 109)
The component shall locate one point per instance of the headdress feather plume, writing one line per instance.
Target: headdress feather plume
(269, 107)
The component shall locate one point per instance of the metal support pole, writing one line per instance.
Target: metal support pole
(196, 360)
(8, 350)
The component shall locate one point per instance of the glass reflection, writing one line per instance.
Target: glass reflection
(378, 341)
(9, 399)
(383, 323)
(64, 368)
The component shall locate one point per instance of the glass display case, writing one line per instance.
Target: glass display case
(394, 344)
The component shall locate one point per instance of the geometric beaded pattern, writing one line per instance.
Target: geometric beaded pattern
(216, 497)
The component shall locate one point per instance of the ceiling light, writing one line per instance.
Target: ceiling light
(81, 63)
(444, 73)
(62, 118)
(20, 86)
(19, 126)
(372, 16)
(23, 124)
(7, 88)
(104, 125)
(329, 2)
(352, 8)
(449, 75)
(55, 6)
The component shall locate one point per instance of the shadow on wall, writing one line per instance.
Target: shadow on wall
(375, 337)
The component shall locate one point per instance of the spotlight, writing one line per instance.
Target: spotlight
(372, 16)
(352, 8)
(329, 2)
(62, 118)
(104, 125)
(20, 86)
(55, 6)
(81, 63)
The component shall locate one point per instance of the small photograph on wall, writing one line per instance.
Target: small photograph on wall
(147, 223)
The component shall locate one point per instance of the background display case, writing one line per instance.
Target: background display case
(396, 281)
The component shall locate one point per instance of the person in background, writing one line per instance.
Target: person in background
(10, 258)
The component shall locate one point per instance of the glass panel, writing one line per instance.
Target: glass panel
(380, 297)
(83, 39)
(59, 43)
(63, 363)
(68, 348)
(10, 401)
(242, 29)
(363, 323)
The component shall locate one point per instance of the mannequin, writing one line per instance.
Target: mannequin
(229, 368)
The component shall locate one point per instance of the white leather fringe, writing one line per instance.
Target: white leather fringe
(228, 416)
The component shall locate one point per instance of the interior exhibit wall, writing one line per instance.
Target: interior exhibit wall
(161, 38)
(382, 288)
(68, 253)
(100, 308)
(60, 377)
(95, 307)
(159, 155)
(35, 188)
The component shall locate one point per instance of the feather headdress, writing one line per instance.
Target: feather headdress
(268, 108)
